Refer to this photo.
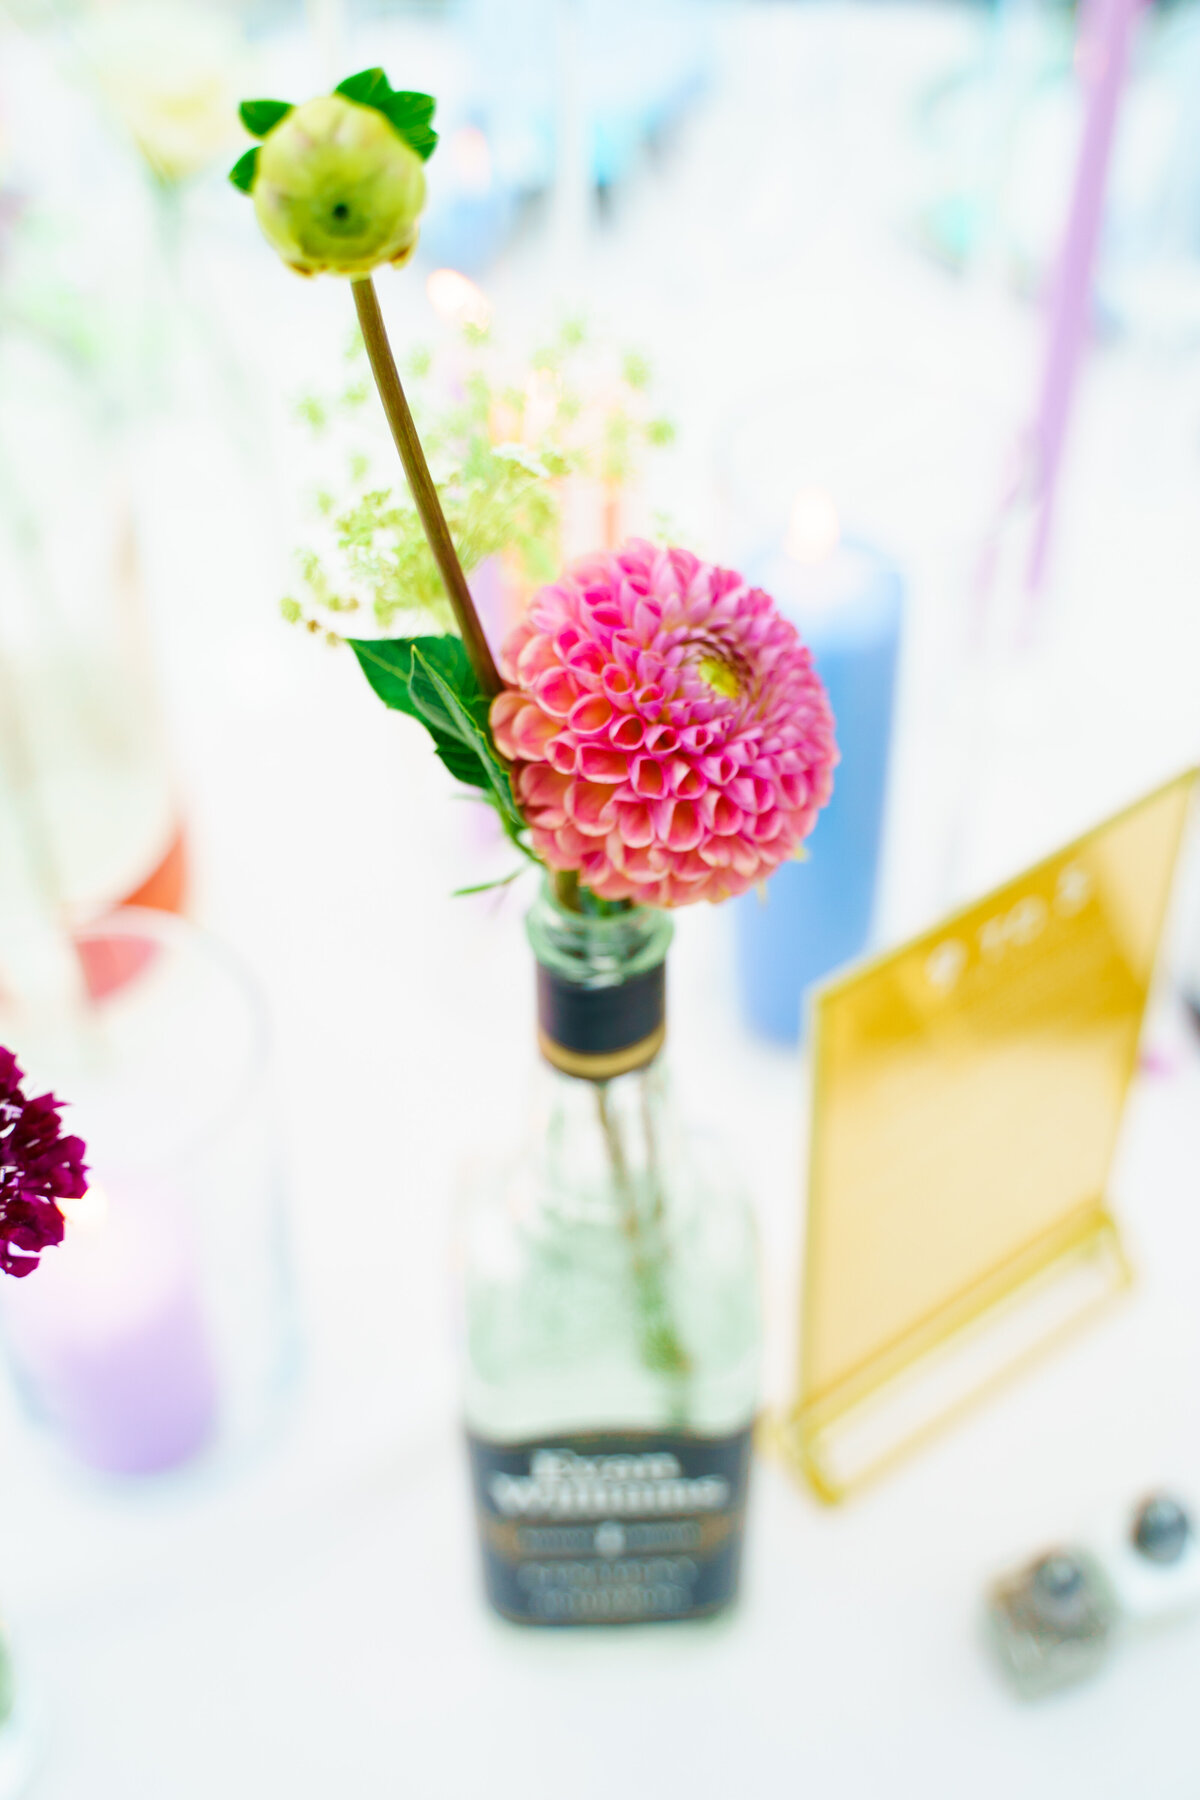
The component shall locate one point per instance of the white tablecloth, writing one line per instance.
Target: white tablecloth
(315, 1626)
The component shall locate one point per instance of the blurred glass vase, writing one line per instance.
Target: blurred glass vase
(160, 1330)
(88, 818)
(88, 813)
(612, 1333)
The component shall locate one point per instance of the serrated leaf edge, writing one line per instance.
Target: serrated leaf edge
(378, 93)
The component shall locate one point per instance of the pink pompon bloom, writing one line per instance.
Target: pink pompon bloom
(669, 736)
(39, 1166)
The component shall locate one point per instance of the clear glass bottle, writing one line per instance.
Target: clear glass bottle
(612, 1313)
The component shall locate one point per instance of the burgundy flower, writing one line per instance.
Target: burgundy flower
(38, 1167)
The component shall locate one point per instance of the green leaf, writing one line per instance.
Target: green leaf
(421, 138)
(462, 763)
(486, 887)
(442, 672)
(409, 114)
(477, 736)
(445, 688)
(389, 666)
(367, 87)
(244, 170)
(431, 679)
(261, 116)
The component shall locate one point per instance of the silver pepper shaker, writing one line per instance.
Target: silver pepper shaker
(1052, 1620)
(1055, 1620)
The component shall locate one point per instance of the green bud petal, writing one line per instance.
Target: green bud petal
(337, 190)
(261, 116)
(244, 170)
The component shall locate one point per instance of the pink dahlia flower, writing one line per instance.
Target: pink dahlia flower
(670, 738)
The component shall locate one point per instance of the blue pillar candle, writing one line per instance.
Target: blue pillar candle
(845, 599)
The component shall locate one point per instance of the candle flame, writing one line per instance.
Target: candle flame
(813, 529)
(543, 396)
(456, 299)
(472, 158)
(89, 1212)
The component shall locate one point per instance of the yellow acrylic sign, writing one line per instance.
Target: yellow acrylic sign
(967, 1094)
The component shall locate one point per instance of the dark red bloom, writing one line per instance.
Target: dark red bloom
(38, 1167)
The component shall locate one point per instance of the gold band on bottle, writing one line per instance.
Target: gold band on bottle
(605, 1066)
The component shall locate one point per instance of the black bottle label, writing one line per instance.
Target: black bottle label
(611, 1528)
(601, 1032)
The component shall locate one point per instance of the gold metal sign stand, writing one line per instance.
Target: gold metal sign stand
(967, 1094)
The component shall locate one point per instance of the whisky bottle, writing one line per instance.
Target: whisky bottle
(612, 1312)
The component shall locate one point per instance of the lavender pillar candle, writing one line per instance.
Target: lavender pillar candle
(109, 1339)
(846, 600)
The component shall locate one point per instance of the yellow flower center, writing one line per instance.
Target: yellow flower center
(720, 675)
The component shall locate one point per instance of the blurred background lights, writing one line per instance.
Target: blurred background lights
(456, 299)
(543, 396)
(89, 1212)
(471, 159)
(813, 528)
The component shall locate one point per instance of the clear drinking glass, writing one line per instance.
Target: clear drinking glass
(161, 1331)
(21, 1727)
(89, 815)
(612, 1313)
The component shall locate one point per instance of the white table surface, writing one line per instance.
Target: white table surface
(315, 1626)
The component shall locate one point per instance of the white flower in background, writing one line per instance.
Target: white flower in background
(172, 75)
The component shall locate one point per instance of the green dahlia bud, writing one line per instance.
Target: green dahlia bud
(337, 189)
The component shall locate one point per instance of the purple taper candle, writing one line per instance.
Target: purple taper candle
(1105, 36)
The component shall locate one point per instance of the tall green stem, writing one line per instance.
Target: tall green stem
(424, 493)
(660, 1344)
